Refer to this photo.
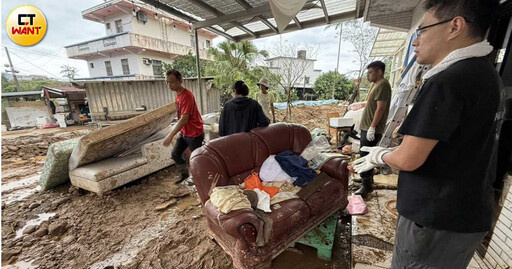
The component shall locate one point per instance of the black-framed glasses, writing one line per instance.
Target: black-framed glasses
(419, 30)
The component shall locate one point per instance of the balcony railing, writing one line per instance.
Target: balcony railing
(127, 39)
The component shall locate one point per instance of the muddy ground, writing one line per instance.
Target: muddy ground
(71, 228)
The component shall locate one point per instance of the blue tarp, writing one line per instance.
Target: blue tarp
(284, 105)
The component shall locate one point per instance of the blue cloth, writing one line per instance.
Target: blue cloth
(296, 166)
(284, 105)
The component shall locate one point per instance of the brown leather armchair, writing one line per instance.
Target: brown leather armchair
(229, 160)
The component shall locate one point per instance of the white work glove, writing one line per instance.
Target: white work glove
(372, 160)
(370, 134)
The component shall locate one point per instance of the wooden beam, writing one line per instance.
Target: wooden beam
(325, 11)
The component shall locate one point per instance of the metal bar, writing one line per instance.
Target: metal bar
(298, 23)
(248, 13)
(206, 7)
(325, 11)
(245, 29)
(307, 24)
(246, 5)
(390, 39)
(268, 24)
(216, 31)
(217, 13)
(159, 5)
(198, 63)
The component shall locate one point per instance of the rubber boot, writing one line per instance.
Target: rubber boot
(357, 180)
(366, 187)
(183, 169)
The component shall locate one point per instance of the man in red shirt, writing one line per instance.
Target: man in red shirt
(189, 123)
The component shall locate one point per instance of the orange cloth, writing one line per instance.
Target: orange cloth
(253, 181)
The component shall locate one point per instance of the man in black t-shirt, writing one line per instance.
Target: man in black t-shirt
(445, 197)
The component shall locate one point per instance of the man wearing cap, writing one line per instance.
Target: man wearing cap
(266, 99)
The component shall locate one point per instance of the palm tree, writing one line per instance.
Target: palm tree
(238, 55)
(234, 61)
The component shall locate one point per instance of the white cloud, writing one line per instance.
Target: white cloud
(324, 39)
(65, 27)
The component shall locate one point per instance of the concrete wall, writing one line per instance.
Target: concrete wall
(26, 116)
(161, 28)
(99, 69)
(127, 23)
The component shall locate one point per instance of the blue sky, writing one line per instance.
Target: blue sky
(66, 26)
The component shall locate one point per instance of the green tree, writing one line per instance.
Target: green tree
(361, 35)
(387, 61)
(236, 61)
(187, 66)
(324, 85)
(69, 72)
(31, 85)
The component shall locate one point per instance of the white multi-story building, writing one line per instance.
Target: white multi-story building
(139, 38)
(291, 68)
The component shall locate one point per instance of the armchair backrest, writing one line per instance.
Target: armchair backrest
(229, 160)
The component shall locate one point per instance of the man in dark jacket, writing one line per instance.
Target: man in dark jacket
(241, 114)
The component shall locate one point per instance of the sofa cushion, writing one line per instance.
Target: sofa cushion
(323, 199)
(288, 215)
(109, 167)
(280, 137)
(235, 151)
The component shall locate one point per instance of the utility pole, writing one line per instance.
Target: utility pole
(339, 47)
(13, 71)
(338, 61)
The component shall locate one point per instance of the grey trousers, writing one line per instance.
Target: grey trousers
(420, 247)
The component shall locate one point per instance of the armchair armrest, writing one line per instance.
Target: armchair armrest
(241, 224)
(337, 168)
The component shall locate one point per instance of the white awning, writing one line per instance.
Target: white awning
(387, 43)
(240, 20)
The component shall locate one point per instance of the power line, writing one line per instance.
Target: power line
(47, 54)
(37, 66)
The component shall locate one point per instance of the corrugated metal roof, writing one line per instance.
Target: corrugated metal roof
(21, 94)
(250, 19)
(387, 42)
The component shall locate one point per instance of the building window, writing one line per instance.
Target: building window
(126, 67)
(107, 25)
(192, 41)
(306, 80)
(157, 68)
(108, 67)
(119, 26)
(207, 44)
(91, 65)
